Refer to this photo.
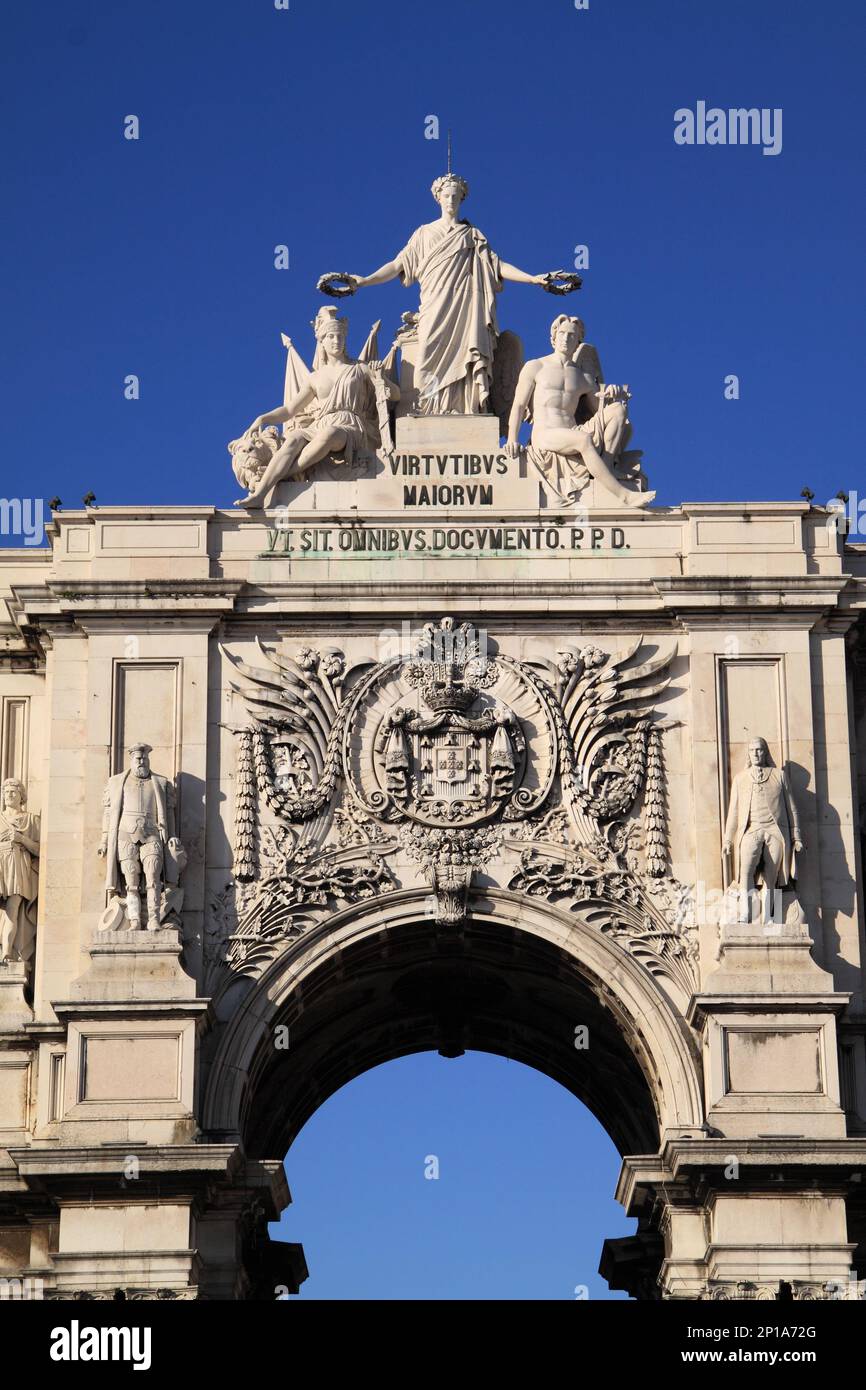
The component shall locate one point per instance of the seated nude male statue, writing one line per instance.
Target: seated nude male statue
(344, 416)
(554, 387)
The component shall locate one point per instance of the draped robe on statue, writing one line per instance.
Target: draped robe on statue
(460, 276)
(351, 406)
(19, 878)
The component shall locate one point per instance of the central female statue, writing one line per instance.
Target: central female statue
(459, 275)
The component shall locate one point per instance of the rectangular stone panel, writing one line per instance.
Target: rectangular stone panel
(148, 1226)
(150, 537)
(146, 708)
(14, 736)
(78, 540)
(14, 1074)
(778, 1061)
(750, 702)
(120, 1067)
(762, 534)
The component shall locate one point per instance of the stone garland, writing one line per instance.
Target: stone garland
(655, 818)
(311, 804)
(246, 853)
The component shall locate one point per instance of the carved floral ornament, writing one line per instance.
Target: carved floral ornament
(547, 774)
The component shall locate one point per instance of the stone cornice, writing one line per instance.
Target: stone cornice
(682, 1161)
(141, 1008)
(44, 1161)
(146, 512)
(58, 604)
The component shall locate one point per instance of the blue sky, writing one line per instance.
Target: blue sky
(520, 1209)
(262, 127)
(305, 127)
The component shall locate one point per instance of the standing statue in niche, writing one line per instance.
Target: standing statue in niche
(762, 831)
(19, 852)
(460, 276)
(138, 838)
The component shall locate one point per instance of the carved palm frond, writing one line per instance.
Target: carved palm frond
(296, 702)
(287, 697)
(605, 711)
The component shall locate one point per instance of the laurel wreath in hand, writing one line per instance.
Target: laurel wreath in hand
(337, 284)
(561, 282)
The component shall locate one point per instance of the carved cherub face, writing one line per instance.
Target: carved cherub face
(13, 794)
(757, 752)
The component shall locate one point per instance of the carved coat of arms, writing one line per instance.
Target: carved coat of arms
(458, 757)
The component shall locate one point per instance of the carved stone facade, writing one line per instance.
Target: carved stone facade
(452, 815)
(444, 760)
(457, 744)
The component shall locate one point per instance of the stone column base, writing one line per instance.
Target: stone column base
(14, 1009)
(754, 1226)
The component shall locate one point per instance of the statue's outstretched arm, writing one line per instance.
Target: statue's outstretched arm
(519, 277)
(554, 281)
(386, 272)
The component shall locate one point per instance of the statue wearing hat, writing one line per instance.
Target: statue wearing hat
(138, 839)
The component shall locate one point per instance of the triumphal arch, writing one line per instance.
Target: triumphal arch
(442, 737)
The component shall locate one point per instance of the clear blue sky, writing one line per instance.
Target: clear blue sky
(520, 1209)
(305, 127)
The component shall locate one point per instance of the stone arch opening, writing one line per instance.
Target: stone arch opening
(427, 1179)
(383, 980)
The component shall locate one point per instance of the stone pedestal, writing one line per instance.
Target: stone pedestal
(14, 1009)
(768, 1017)
(135, 964)
(132, 1019)
(737, 1219)
(457, 433)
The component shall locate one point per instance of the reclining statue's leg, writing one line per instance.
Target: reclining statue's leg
(576, 441)
(329, 440)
